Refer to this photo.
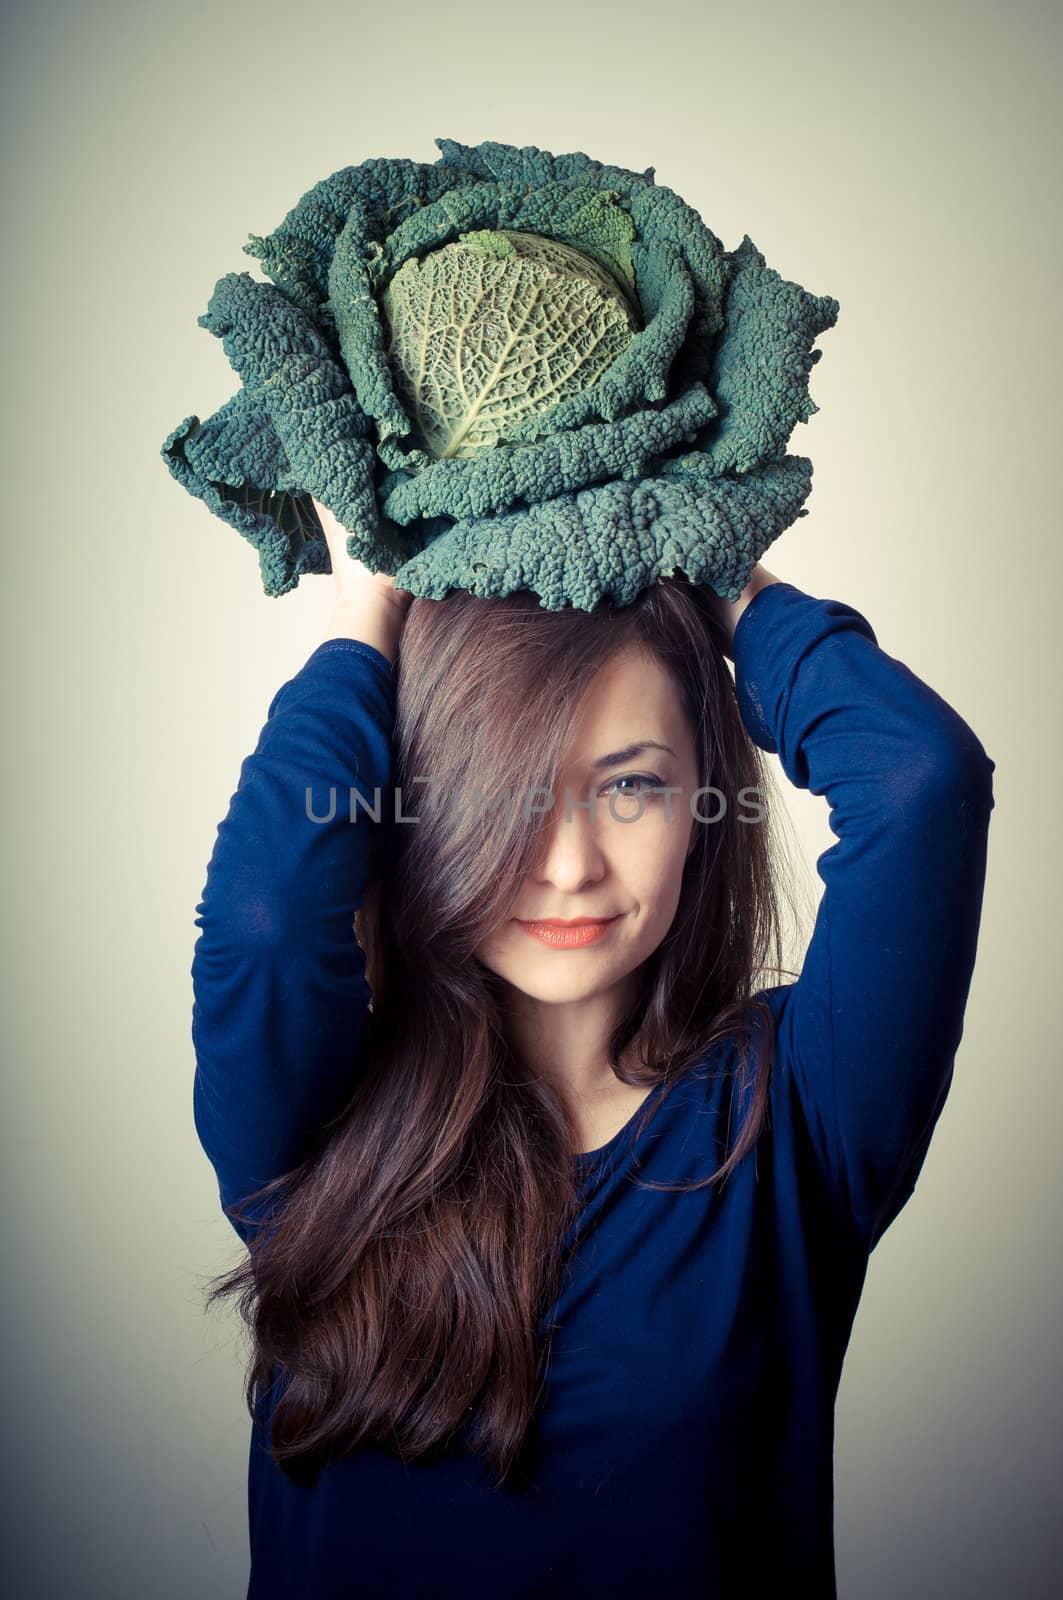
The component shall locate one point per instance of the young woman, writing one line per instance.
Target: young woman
(555, 1239)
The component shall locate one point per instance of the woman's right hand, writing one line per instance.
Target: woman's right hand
(351, 576)
(367, 604)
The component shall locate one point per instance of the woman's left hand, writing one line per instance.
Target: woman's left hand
(727, 612)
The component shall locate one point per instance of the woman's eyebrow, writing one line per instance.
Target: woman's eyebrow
(629, 752)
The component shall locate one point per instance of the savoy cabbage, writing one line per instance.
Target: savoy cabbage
(507, 370)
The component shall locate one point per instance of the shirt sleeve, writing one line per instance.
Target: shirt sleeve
(279, 986)
(870, 1029)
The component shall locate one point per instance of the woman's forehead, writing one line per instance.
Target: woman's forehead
(632, 698)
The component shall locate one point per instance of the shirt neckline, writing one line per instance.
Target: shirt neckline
(588, 1158)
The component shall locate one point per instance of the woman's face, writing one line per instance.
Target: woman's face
(613, 847)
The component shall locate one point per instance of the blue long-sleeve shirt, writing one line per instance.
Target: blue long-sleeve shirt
(685, 1441)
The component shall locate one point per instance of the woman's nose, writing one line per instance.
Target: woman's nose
(571, 854)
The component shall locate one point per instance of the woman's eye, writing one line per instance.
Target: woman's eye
(647, 781)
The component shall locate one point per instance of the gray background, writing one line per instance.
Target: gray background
(902, 159)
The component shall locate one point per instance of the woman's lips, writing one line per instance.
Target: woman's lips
(570, 936)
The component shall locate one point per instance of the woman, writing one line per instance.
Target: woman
(554, 1249)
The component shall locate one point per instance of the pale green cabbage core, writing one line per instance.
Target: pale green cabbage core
(495, 328)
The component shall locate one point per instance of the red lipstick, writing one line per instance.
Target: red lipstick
(569, 935)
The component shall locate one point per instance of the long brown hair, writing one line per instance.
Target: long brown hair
(410, 1259)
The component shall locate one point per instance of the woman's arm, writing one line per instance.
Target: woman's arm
(373, 621)
(280, 995)
(279, 986)
(870, 1029)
